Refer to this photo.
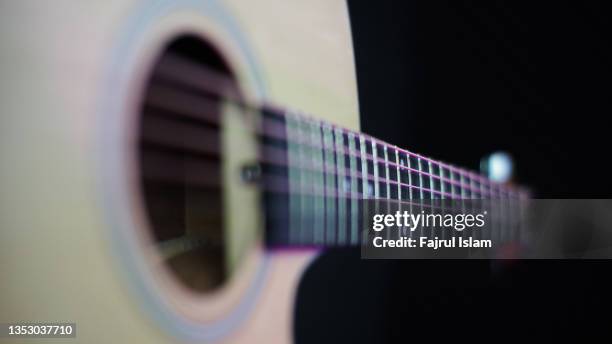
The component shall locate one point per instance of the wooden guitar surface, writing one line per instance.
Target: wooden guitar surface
(70, 216)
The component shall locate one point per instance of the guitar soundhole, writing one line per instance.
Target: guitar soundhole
(180, 161)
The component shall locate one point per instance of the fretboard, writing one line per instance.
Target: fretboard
(316, 177)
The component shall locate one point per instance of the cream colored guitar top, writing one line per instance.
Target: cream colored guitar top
(74, 242)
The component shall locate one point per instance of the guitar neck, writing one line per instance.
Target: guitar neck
(317, 176)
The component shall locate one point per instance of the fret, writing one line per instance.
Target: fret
(432, 181)
(319, 179)
(486, 197)
(457, 189)
(366, 190)
(465, 191)
(396, 174)
(516, 216)
(407, 175)
(377, 180)
(502, 215)
(330, 188)
(295, 181)
(485, 190)
(353, 170)
(451, 182)
(509, 216)
(506, 214)
(522, 233)
(447, 185)
(461, 181)
(465, 181)
(418, 179)
(433, 193)
(404, 178)
(500, 205)
(438, 171)
(397, 160)
(376, 171)
(495, 231)
(427, 179)
(388, 186)
(343, 186)
(436, 183)
(475, 185)
(472, 181)
(404, 174)
(414, 177)
(423, 181)
(503, 202)
(307, 180)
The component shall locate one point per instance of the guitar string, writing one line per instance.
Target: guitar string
(180, 70)
(277, 131)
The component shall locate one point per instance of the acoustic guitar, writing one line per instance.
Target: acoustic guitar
(171, 168)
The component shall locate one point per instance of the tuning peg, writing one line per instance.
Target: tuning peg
(498, 166)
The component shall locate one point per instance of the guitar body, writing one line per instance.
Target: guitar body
(74, 242)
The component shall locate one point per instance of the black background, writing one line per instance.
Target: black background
(457, 80)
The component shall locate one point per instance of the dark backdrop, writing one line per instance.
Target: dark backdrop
(456, 80)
